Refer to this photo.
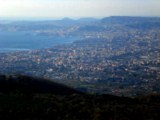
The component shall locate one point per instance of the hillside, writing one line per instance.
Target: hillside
(50, 101)
(29, 85)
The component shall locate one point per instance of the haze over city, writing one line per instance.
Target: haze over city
(77, 8)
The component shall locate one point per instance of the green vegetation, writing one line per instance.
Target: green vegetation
(73, 105)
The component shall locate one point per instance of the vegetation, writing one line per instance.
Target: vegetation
(41, 104)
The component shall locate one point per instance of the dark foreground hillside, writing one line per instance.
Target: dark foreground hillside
(30, 85)
(32, 100)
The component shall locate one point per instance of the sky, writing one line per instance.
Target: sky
(78, 8)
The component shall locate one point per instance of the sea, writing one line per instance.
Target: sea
(11, 41)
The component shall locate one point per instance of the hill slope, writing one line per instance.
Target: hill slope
(50, 101)
(26, 84)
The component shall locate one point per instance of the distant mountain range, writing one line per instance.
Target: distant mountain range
(84, 24)
(133, 22)
(129, 19)
(65, 21)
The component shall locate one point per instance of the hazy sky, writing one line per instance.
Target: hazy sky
(78, 8)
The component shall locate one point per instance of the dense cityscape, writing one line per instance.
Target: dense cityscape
(116, 55)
